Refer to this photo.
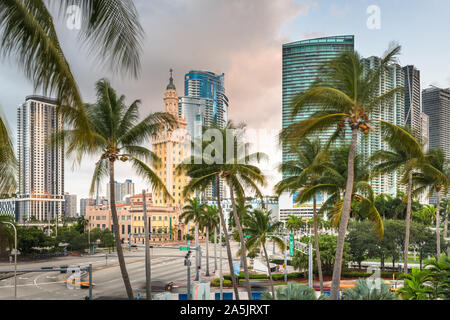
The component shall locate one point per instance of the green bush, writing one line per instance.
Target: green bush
(216, 283)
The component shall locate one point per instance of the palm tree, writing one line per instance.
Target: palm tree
(310, 164)
(345, 93)
(294, 223)
(445, 205)
(208, 220)
(243, 210)
(405, 156)
(118, 136)
(434, 176)
(8, 162)
(192, 213)
(367, 289)
(110, 29)
(229, 162)
(260, 229)
(414, 287)
(293, 291)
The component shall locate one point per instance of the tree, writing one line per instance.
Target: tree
(405, 156)
(226, 158)
(32, 237)
(6, 234)
(445, 205)
(361, 240)
(425, 215)
(8, 161)
(208, 219)
(327, 245)
(81, 224)
(118, 136)
(294, 223)
(344, 93)
(434, 176)
(111, 29)
(259, 228)
(440, 276)
(304, 173)
(414, 287)
(192, 213)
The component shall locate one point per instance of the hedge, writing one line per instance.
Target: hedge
(275, 276)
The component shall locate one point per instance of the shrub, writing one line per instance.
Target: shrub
(216, 283)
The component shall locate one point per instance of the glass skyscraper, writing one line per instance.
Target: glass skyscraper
(301, 60)
(209, 86)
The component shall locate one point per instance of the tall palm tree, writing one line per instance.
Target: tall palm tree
(228, 161)
(260, 229)
(110, 29)
(445, 205)
(345, 94)
(294, 223)
(192, 212)
(209, 219)
(242, 211)
(405, 156)
(8, 161)
(118, 136)
(310, 164)
(434, 176)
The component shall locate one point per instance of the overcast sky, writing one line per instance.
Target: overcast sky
(243, 39)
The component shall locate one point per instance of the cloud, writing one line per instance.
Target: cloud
(242, 39)
(339, 11)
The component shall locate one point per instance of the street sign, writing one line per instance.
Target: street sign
(291, 244)
(247, 236)
(185, 248)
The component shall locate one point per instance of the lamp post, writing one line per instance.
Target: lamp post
(147, 252)
(15, 257)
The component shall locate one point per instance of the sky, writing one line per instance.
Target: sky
(243, 39)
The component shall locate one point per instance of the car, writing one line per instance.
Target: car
(133, 246)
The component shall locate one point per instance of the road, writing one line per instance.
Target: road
(166, 265)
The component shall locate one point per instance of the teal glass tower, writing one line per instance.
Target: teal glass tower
(301, 60)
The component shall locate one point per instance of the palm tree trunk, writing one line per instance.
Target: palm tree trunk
(438, 229)
(197, 255)
(215, 249)
(445, 224)
(337, 269)
(242, 240)
(268, 269)
(227, 241)
(316, 243)
(123, 267)
(207, 252)
(408, 222)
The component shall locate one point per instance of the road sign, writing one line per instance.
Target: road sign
(247, 236)
(291, 244)
(185, 248)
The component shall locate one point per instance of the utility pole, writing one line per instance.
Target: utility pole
(220, 260)
(147, 251)
(187, 263)
(15, 257)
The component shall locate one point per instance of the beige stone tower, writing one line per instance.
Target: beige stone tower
(169, 147)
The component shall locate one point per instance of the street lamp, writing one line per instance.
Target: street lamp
(15, 257)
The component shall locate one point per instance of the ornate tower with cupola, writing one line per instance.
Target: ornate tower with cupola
(169, 147)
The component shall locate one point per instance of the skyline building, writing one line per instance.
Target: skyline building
(436, 105)
(41, 162)
(300, 63)
(169, 146)
(391, 111)
(204, 103)
(121, 190)
(70, 205)
(413, 107)
(84, 203)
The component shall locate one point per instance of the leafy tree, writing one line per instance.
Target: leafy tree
(344, 93)
(217, 162)
(327, 245)
(367, 289)
(209, 219)
(294, 223)
(81, 224)
(440, 276)
(304, 178)
(6, 234)
(425, 215)
(31, 237)
(434, 176)
(118, 136)
(110, 29)
(260, 229)
(361, 240)
(414, 286)
(75, 240)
